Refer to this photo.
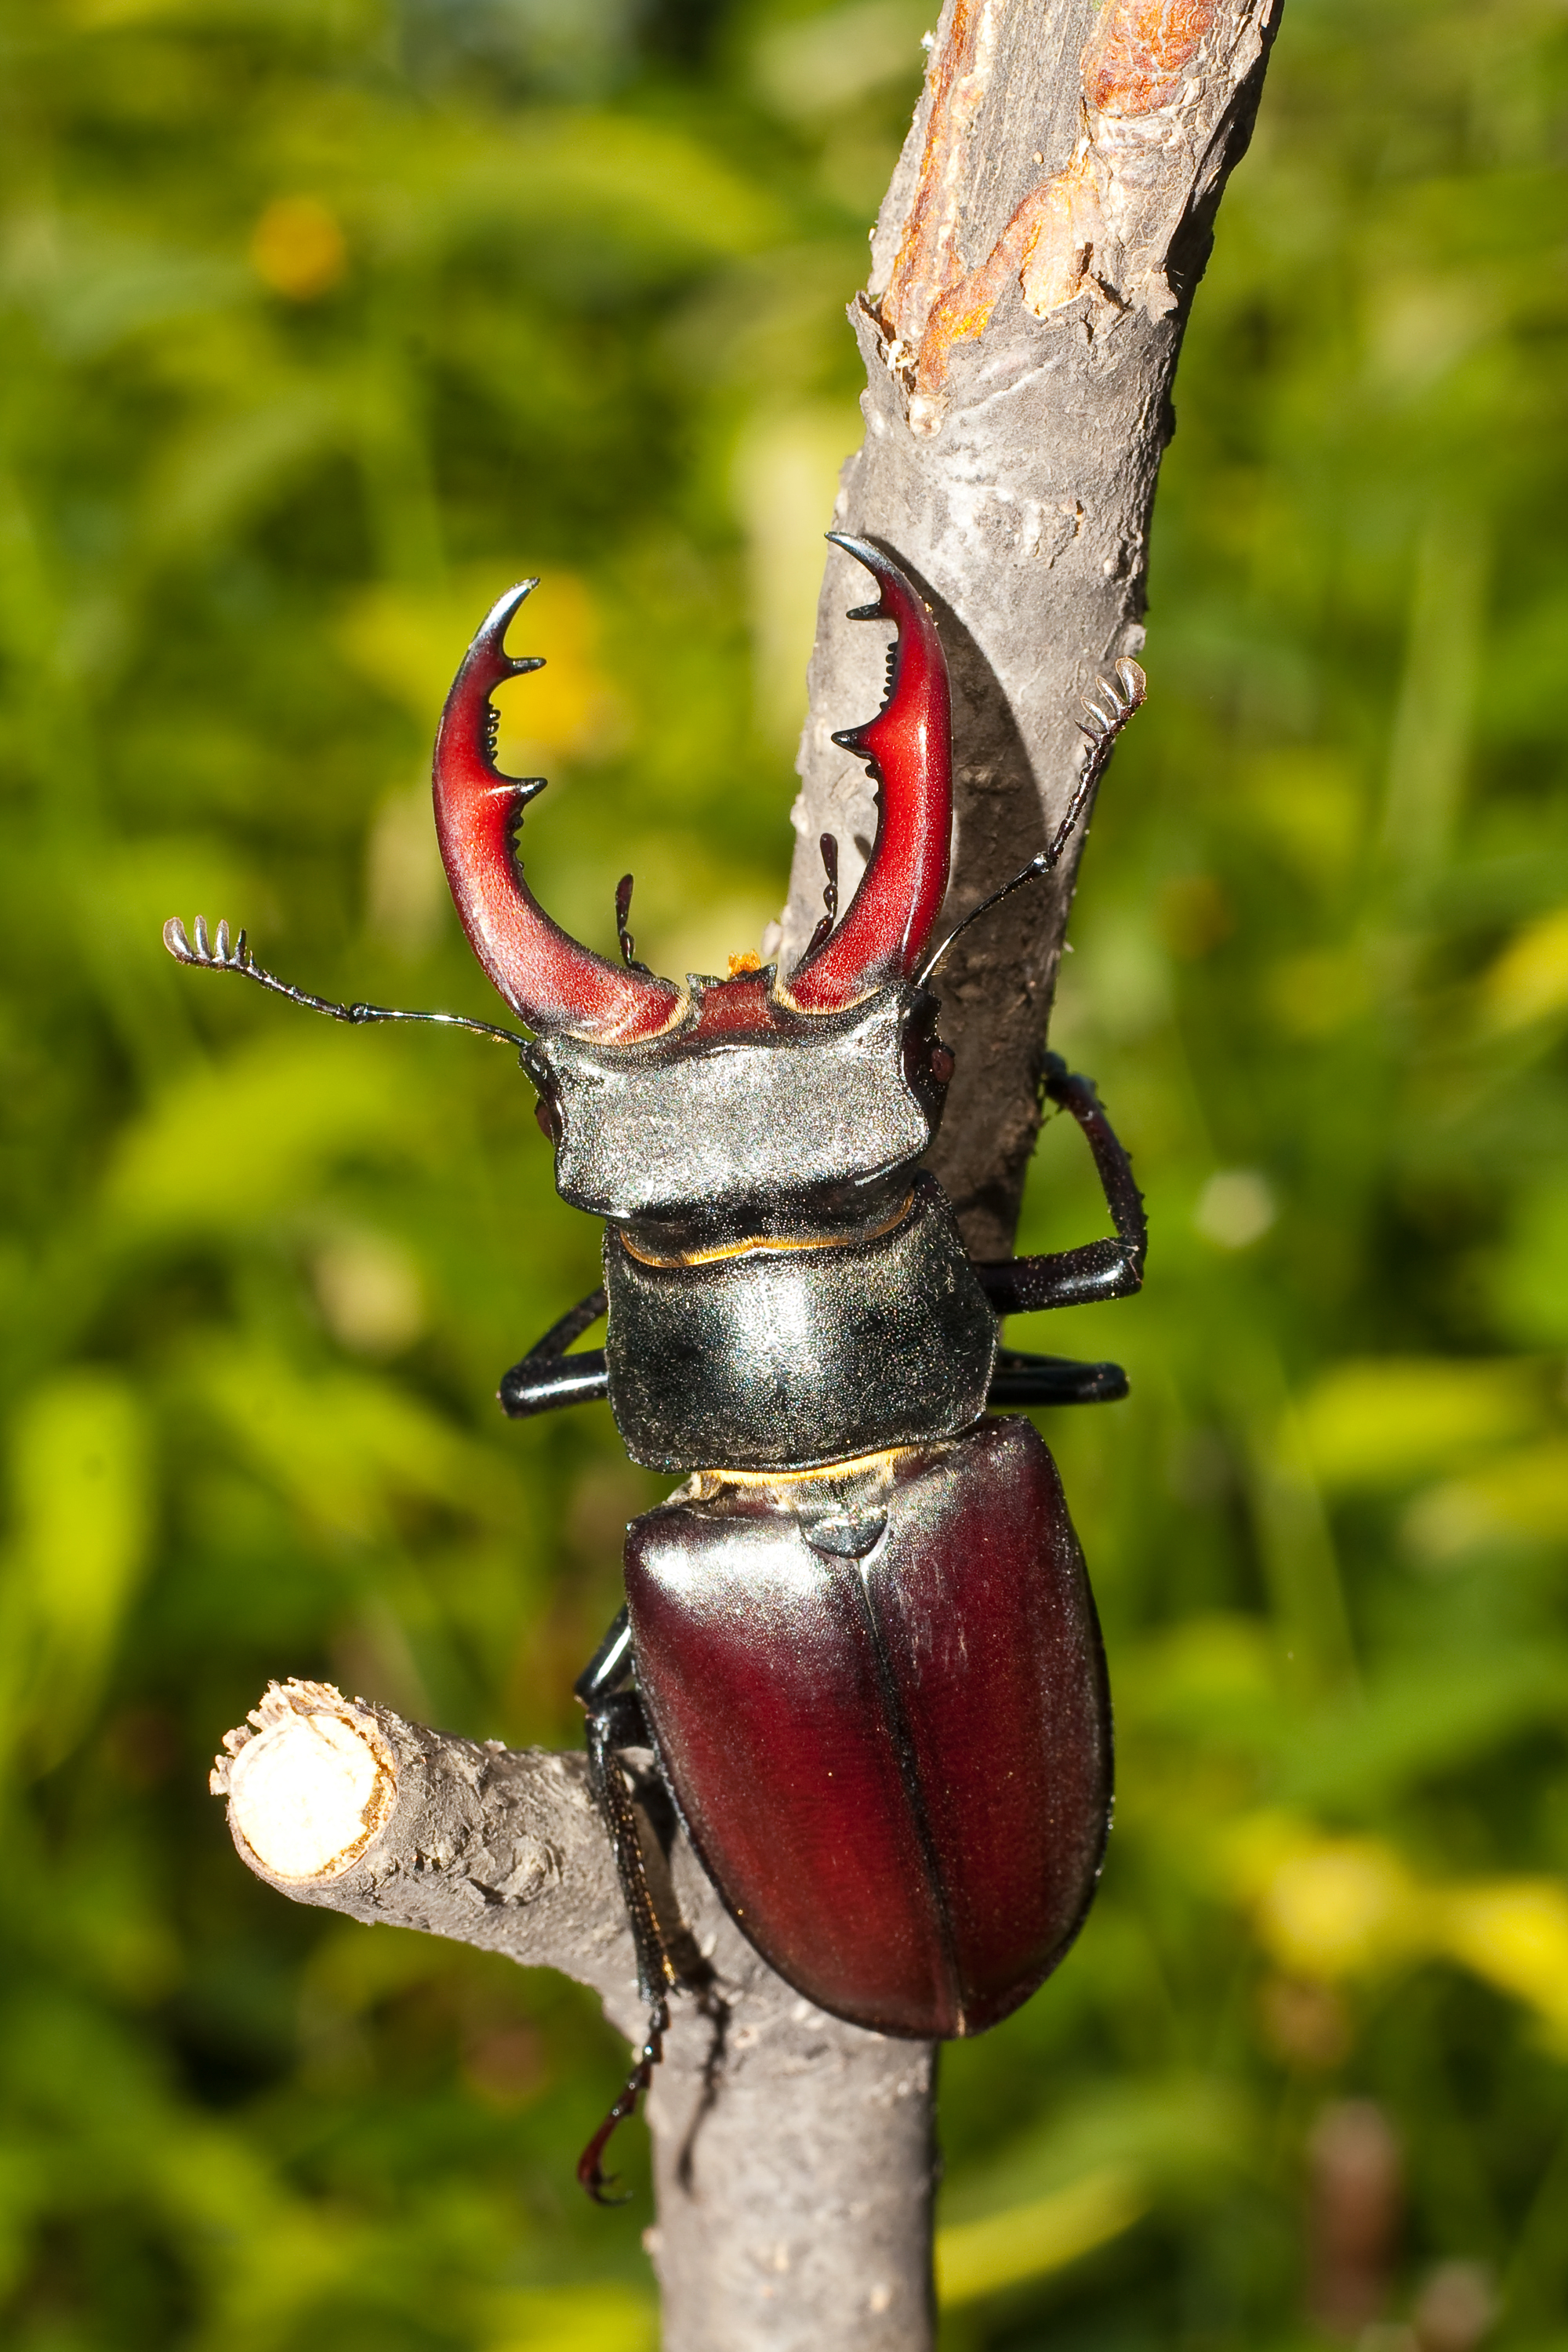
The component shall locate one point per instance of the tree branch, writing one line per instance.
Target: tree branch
(1032, 272)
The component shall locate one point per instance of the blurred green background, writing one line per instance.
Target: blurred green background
(323, 320)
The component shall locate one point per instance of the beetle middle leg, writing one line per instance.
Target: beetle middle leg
(542, 1381)
(547, 1378)
(616, 1722)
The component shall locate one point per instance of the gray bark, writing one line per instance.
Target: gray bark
(1012, 473)
(1032, 272)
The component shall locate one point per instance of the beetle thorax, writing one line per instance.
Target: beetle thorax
(792, 1124)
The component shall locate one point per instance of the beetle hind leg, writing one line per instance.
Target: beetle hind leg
(614, 1721)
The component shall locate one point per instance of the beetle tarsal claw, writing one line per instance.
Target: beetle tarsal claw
(590, 2164)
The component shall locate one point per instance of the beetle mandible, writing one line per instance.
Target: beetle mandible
(859, 1638)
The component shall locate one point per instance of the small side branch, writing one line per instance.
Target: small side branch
(337, 1802)
(793, 2152)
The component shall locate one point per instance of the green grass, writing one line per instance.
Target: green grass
(323, 324)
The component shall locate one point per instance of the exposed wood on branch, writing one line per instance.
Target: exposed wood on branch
(1097, 225)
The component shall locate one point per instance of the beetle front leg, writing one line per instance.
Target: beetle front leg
(547, 1377)
(1107, 1269)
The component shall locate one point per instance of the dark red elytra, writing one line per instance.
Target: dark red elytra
(895, 1762)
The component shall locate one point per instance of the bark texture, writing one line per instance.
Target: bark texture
(792, 2153)
(1031, 272)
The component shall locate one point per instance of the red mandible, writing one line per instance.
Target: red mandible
(543, 974)
(908, 747)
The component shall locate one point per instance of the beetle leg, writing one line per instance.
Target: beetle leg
(547, 1377)
(590, 2164)
(1053, 1380)
(616, 1720)
(611, 1663)
(1108, 1269)
(668, 1954)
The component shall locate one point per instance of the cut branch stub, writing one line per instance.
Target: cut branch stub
(309, 1782)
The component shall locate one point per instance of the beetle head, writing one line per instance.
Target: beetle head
(659, 1095)
(816, 1123)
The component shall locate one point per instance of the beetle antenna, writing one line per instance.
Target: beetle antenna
(217, 955)
(1109, 705)
(828, 844)
(590, 2164)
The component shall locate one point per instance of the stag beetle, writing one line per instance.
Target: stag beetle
(858, 1639)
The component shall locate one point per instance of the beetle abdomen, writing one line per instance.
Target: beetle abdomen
(776, 1355)
(879, 1699)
